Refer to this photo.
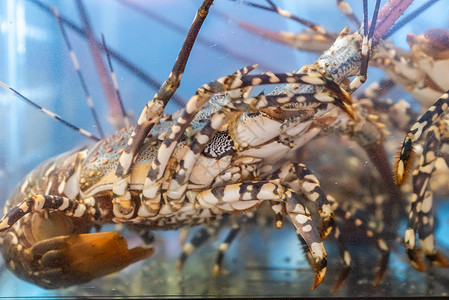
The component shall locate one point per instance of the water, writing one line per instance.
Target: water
(263, 261)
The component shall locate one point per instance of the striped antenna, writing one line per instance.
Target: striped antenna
(49, 113)
(90, 103)
(273, 8)
(374, 21)
(133, 68)
(115, 82)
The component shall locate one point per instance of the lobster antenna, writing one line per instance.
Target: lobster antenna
(273, 8)
(139, 8)
(115, 83)
(408, 18)
(114, 113)
(133, 68)
(365, 18)
(50, 113)
(374, 21)
(89, 100)
(367, 37)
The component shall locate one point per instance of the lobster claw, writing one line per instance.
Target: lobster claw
(67, 260)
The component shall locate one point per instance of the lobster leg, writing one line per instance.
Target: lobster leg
(151, 114)
(310, 186)
(199, 238)
(238, 80)
(345, 258)
(299, 178)
(151, 190)
(421, 216)
(415, 132)
(50, 202)
(376, 239)
(238, 197)
(427, 237)
(230, 237)
(180, 179)
(422, 198)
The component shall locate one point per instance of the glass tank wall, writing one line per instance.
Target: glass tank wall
(145, 37)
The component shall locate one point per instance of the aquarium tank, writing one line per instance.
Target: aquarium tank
(366, 248)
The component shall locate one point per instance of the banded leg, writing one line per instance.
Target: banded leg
(153, 182)
(426, 235)
(313, 101)
(48, 202)
(345, 260)
(230, 237)
(200, 237)
(421, 215)
(422, 198)
(236, 81)
(415, 132)
(376, 238)
(180, 178)
(122, 205)
(310, 186)
(344, 255)
(238, 197)
(299, 178)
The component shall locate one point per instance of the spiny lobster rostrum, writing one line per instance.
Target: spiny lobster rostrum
(225, 151)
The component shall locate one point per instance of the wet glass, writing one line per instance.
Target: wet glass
(262, 261)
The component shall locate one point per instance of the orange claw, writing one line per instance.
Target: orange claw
(102, 253)
(79, 258)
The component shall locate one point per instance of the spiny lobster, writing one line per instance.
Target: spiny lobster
(213, 157)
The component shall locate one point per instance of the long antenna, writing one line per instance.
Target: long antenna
(141, 9)
(273, 8)
(133, 68)
(115, 82)
(90, 103)
(49, 113)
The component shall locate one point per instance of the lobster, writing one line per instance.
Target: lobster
(224, 152)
